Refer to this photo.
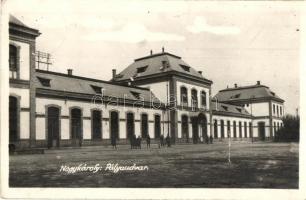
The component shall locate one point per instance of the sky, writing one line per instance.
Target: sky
(231, 42)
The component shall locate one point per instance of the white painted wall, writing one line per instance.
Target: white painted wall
(180, 113)
(65, 134)
(189, 87)
(24, 115)
(255, 127)
(159, 90)
(231, 119)
(24, 96)
(258, 109)
(24, 53)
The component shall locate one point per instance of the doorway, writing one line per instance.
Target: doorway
(53, 126)
(76, 126)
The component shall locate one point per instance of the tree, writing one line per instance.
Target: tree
(290, 131)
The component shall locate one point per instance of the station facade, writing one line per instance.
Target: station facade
(157, 95)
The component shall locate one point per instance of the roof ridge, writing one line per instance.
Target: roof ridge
(90, 79)
(244, 87)
(156, 55)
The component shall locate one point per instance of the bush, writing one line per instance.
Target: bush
(290, 131)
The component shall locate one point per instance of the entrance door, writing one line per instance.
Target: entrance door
(53, 127)
(114, 125)
(261, 130)
(203, 125)
(130, 127)
(185, 131)
(195, 130)
(13, 119)
(76, 127)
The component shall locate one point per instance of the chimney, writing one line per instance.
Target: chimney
(69, 71)
(235, 85)
(163, 49)
(151, 52)
(114, 73)
(200, 72)
(258, 82)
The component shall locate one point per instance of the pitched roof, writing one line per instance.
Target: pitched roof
(229, 109)
(81, 85)
(252, 92)
(15, 25)
(157, 63)
(14, 20)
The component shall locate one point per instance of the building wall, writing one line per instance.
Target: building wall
(159, 90)
(24, 113)
(189, 87)
(258, 109)
(86, 111)
(187, 113)
(231, 119)
(267, 127)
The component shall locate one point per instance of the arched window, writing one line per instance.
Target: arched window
(13, 61)
(130, 125)
(216, 129)
(76, 126)
(144, 125)
(96, 121)
(240, 129)
(185, 130)
(203, 99)
(250, 129)
(245, 130)
(184, 96)
(13, 119)
(194, 98)
(228, 128)
(157, 127)
(235, 131)
(222, 128)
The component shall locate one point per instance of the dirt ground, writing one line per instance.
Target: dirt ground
(257, 165)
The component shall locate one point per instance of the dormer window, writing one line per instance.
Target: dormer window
(97, 89)
(135, 94)
(142, 69)
(225, 108)
(185, 68)
(44, 81)
(235, 96)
